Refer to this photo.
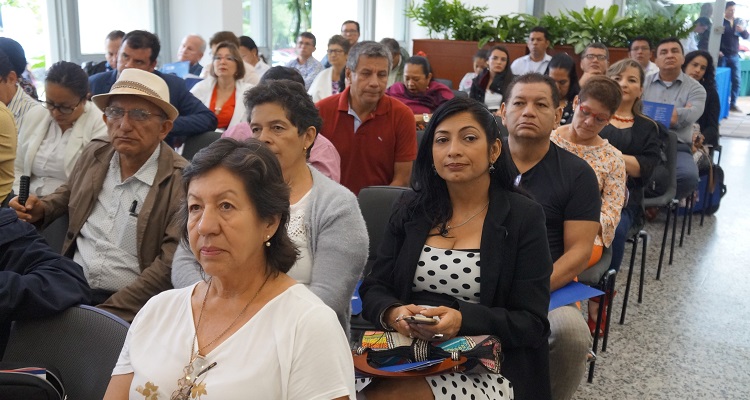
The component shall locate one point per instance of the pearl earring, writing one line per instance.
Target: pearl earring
(268, 242)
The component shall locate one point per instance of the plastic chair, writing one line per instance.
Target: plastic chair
(82, 342)
(599, 275)
(194, 144)
(639, 235)
(460, 93)
(446, 82)
(376, 204)
(667, 200)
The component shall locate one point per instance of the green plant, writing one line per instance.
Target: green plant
(658, 26)
(431, 14)
(594, 24)
(469, 23)
(453, 20)
(511, 28)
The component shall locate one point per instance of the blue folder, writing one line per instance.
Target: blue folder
(659, 112)
(571, 293)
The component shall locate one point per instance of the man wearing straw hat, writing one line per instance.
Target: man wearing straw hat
(122, 197)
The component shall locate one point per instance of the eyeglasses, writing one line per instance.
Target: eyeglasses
(191, 372)
(599, 57)
(349, 31)
(135, 114)
(335, 51)
(228, 58)
(600, 118)
(67, 110)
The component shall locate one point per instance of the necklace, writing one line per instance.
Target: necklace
(200, 317)
(448, 227)
(623, 119)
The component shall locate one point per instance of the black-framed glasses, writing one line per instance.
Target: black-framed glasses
(335, 51)
(135, 114)
(63, 109)
(591, 57)
(599, 118)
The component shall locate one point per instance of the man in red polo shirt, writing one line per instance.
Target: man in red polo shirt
(374, 134)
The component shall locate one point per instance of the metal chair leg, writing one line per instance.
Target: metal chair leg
(690, 217)
(644, 238)
(674, 230)
(595, 348)
(664, 241)
(630, 279)
(611, 291)
(684, 219)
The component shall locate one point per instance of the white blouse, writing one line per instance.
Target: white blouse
(48, 167)
(302, 269)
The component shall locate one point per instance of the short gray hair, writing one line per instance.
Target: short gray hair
(367, 49)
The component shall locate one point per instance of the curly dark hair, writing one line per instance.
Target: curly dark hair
(709, 78)
(292, 97)
(259, 170)
(431, 190)
(70, 76)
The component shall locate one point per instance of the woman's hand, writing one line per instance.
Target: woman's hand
(448, 327)
(394, 317)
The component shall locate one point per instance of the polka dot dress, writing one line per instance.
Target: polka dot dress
(455, 272)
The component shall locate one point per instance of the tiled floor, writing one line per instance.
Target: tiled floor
(738, 124)
(690, 338)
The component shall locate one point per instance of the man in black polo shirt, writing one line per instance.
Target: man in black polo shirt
(567, 189)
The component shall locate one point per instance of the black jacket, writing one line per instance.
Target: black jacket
(35, 281)
(644, 143)
(514, 286)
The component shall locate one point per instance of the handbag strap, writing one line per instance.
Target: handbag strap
(447, 365)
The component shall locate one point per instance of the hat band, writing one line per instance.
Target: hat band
(136, 86)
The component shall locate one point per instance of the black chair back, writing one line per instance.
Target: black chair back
(376, 203)
(82, 342)
(194, 144)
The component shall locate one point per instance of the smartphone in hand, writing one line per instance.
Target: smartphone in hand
(421, 319)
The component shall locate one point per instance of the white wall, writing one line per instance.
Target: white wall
(203, 18)
(327, 16)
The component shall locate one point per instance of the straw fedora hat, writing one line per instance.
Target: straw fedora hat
(146, 85)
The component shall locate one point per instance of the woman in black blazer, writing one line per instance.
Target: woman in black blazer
(465, 243)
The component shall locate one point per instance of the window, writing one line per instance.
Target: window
(92, 28)
(25, 21)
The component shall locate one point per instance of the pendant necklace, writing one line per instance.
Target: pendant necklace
(449, 227)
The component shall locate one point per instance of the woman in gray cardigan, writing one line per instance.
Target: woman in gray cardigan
(325, 223)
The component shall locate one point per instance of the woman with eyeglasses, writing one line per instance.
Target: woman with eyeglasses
(594, 106)
(51, 140)
(638, 137)
(223, 89)
(331, 80)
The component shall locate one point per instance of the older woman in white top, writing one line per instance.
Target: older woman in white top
(51, 140)
(222, 92)
(326, 224)
(330, 80)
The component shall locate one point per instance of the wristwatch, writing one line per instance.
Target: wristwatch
(426, 117)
